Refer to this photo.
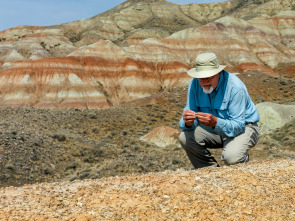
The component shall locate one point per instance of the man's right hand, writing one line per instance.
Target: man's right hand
(189, 117)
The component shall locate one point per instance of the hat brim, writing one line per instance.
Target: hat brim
(205, 74)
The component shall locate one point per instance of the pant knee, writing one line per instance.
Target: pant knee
(232, 158)
(182, 139)
(229, 160)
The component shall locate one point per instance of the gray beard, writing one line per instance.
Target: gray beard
(208, 91)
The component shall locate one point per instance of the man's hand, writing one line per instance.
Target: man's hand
(189, 117)
(207, 119)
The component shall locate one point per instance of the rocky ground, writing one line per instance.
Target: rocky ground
(253, 191)
(41, 145)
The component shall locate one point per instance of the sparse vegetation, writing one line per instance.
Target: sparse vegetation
(75, 38)
(43, 44)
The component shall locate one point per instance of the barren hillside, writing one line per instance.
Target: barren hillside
(50, 145)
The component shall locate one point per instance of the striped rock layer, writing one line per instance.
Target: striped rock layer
(140, 48)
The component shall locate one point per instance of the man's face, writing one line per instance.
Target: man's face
(209, 84)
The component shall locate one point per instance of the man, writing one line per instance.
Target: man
(219, 114)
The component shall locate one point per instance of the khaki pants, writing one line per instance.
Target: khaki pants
(235, 149)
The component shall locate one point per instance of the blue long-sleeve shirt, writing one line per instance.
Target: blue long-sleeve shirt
(229, 102)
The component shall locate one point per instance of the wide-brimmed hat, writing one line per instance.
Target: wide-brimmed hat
(207, 65)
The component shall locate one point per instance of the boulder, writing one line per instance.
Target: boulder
(162, 136)
(273, 116)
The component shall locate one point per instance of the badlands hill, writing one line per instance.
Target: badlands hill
(141, 48)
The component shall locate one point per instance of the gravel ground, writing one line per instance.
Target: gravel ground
(253, 191)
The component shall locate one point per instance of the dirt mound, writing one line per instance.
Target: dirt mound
(254, 191)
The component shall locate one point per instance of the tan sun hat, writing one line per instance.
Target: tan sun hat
(207, 65)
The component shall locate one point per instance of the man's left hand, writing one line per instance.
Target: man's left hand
(207, 119)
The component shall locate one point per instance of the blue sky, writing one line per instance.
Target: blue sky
(53, 12)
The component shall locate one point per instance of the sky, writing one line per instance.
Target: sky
(54, 12)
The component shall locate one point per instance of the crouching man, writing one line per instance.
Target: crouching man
(219, 114)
